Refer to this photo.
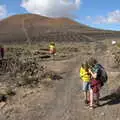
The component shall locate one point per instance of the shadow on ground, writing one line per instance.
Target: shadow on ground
(112, 99)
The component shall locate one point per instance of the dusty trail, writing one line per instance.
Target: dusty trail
(65, 100)
(69, 104)
(64, 93)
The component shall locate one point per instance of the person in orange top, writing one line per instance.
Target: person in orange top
(52, 48)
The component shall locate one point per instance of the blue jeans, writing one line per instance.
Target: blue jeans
(86, 86)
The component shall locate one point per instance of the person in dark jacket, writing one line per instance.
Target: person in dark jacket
(2, 51)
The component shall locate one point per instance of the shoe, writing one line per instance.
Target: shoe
(91, 107)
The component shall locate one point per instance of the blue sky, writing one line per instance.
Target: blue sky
(104, 14)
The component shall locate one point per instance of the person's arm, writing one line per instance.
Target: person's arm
(94, 75)
(81, 72)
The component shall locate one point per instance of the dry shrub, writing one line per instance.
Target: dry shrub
(25, 72)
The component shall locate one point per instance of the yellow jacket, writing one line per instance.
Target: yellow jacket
(84, 75)
(52, 47)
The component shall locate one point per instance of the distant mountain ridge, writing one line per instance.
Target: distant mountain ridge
(19, 28)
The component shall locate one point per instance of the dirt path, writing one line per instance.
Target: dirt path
(64, 92)
(64, 101)
(69, 104)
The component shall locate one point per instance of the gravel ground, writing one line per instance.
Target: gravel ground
(62, 101)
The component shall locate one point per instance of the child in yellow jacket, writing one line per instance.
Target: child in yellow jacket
(85, 76)
(52, 48)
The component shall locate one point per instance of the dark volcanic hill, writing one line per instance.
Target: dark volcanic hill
(35, 28)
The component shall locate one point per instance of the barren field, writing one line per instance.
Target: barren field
(37, 86)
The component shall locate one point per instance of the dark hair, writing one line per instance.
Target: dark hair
(92, 61)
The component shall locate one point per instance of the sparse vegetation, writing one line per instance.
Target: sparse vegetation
(118, 45)
(22, 69)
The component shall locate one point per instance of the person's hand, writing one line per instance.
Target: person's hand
(89, 70)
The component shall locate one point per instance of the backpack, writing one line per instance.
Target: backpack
(103, 74)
